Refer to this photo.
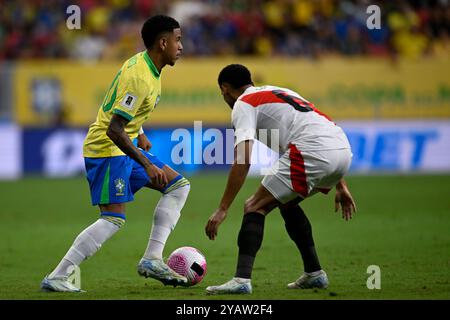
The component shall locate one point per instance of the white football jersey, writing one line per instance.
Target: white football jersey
(277, 116)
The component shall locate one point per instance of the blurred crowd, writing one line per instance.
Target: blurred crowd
(110, 29)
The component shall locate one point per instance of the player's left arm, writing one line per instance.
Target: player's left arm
(236, 178)
(344, 200)
(142, 140)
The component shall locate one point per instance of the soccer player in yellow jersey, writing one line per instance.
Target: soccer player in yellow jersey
(116, 168)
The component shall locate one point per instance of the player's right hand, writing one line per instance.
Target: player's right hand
(157, 175)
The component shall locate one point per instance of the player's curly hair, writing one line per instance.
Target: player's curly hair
(156, 25)
(236, 75)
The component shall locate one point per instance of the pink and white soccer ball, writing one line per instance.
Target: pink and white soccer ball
(188, 262)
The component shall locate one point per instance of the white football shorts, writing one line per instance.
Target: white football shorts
(298, 173)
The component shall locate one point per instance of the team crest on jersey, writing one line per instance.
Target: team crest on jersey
(128, 101)
(120, 186)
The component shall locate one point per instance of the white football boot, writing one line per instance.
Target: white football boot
(158, 270)
(308, 281)
(234, 286)
(58, 285)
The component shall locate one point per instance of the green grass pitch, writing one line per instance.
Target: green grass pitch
(402, 225)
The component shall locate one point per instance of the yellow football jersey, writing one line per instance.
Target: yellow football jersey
(134, 93)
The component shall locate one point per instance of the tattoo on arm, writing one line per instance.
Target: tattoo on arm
(116, 132)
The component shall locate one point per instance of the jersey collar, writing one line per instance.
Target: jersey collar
(151, 65)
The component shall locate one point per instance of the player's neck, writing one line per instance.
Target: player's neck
(157, 60)
(237, 93)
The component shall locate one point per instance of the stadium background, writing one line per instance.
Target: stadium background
(388, 88)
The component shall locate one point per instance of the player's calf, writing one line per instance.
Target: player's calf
(166, 215)
(87, 243)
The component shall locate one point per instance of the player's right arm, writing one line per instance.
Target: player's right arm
(244, 123)
(236, 178)
(125, 97)
(116, 132)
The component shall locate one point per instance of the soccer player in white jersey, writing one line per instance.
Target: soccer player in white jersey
(314, 157)
(116, 169)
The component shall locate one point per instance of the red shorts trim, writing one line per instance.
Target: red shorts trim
(298, 175)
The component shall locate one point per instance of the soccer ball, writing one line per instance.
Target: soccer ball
(188, 262)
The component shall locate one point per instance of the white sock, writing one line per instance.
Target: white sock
(165, 218)
(85, 245)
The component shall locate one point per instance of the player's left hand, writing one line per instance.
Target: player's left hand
(143, 142)
(212, 226)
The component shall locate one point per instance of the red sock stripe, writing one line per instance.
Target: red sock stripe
(298, 175)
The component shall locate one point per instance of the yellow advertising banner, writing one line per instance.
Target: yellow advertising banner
(52, 92)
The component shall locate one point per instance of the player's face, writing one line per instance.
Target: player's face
(224, 89)
(174, 47)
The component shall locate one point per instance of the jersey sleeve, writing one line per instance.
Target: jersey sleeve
(243, 119)
(131, 94)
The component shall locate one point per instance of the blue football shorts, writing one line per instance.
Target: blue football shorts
(116, 179)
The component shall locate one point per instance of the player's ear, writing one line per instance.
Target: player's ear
(163, 43)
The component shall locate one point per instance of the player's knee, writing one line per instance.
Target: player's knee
(178, 193)
(117, 219)
(251, 205)
(247, 205)
(182, 184)
(185, 187)
(180, 189)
